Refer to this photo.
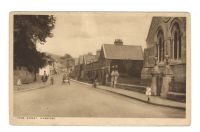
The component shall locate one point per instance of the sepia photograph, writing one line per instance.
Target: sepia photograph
(100, 68)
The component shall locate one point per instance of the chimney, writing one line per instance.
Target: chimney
(118, 42)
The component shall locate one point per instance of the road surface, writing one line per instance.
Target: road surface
(79, 100)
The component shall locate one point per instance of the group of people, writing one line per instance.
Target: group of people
(113, 75)
(45, 78)
(65, 78)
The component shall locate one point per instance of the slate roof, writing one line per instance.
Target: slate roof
(123, 52)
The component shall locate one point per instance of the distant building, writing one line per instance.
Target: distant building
(92, 68)
(70, 62)
(167, 36)
(49, 68)
(55, 62)
(80, 67)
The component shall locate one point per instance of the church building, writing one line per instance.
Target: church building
(167, 39)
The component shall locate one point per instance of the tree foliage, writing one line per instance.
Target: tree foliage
(66, 56)
(28, 31)
(67, 60)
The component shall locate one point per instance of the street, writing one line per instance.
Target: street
(79, 100)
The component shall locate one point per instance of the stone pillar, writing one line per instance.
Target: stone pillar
(155, 75)
(167, 78)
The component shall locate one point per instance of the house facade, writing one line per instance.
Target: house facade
(49, 68)
(166, 40)
(80, 70)
(127, 58)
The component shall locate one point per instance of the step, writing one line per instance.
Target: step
(131, 87)
(181, 97)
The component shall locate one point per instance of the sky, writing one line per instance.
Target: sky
(78, 33)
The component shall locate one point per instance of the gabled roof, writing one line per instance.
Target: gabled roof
(122, 52)
(153, 27)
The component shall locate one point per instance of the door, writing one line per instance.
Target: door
(159, 85)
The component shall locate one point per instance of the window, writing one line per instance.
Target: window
(176, 42)
(161, 49)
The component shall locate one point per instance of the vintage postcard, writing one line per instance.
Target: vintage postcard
(100, 68)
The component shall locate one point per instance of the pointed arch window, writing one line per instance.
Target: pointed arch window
(161, 49)
(176, 43)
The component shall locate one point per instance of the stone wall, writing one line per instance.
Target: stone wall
(24, 75)
(179, 80)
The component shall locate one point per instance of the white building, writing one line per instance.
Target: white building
(47, 68)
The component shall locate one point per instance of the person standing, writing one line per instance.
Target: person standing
(64, 78)
(112, 77)
(116, 75)
(51, 79)
(68, 78)
(95, 80)
(148, 93)
(44, 77)
(107, 76)
(19, 83)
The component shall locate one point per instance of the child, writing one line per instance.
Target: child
(148, 93)
(19, 83)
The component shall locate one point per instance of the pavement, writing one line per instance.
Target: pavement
(142, 97)
(31, 86)
(35, 85)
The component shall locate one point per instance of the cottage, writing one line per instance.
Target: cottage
(128, 59)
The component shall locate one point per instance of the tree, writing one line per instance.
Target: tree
(66, 56)
(67, 60)
(28, 31)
